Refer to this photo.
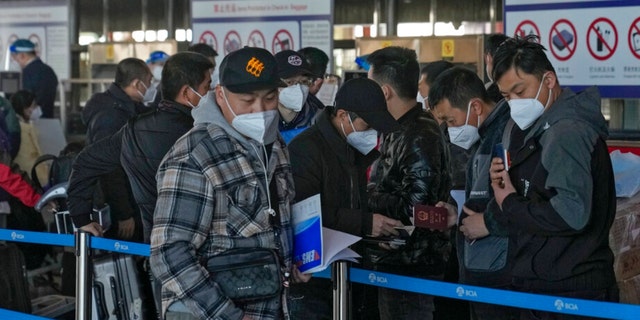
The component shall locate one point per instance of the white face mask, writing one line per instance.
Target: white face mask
(363, 141)
(150, 94)
(259, 126)
(36, 114)
(203, 99)
(157, 73)
(293, 97)
(203, 112)
(466, 135)
(526, 111)
(214, 79)
(422, 100)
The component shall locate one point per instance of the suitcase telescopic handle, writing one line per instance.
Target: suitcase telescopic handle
(55, 192)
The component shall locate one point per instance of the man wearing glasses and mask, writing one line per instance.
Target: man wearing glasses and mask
(295, 113)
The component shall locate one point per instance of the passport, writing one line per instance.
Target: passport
(430, 217)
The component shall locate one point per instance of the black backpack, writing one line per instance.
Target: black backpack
(61, 165)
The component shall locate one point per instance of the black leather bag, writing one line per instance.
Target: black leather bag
(247, 274)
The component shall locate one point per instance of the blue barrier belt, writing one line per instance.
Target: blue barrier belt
(135, 248)
(53, 239)
(503, 297)
(8, 314)
(380, 279)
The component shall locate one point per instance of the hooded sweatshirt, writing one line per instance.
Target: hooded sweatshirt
(212, 197)
(560, 216)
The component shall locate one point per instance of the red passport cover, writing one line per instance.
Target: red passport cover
(430, 217)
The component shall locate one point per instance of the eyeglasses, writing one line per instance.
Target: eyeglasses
(304, 81)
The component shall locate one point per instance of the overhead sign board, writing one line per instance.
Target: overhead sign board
(595, 42)
(274, 25)
(45, 23)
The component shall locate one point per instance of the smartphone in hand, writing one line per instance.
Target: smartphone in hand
(501, 152)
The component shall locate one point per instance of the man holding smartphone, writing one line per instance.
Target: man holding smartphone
(558, 197)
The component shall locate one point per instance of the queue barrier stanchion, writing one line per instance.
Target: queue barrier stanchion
(83, 275)
(564, 305)
(341, 291)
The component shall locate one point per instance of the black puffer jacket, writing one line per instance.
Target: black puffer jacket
(413, 169)
(105, 113)
(139, 146)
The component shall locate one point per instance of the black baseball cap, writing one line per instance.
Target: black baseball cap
(291, 64)
(365, 98)
(249, 69)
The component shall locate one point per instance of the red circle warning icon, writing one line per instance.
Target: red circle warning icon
(282, 41)
(563, 39)
(634, 38)
(527, 27)
(602, 39)
(209, 38)
(256, 39)
(232, 42)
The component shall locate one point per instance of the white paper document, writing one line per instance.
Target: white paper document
(316, 247)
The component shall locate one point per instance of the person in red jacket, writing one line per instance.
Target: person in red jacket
(16, 186)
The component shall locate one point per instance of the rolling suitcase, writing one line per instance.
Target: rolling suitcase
(116, 288)
(14, 290)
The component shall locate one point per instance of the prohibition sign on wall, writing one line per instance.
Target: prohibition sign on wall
(282, 41)
(527, 27)
(232, 42)
(602, 39)
(256, 39)
(634, 38)
(209, 38)
(563, 39)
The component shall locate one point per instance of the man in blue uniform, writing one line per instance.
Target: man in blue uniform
(37, 76)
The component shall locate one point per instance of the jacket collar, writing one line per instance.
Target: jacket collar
(129, 104)
(412, 114)
(169, 105)
(499, 111)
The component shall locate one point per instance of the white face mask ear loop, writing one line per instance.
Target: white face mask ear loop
(548, 99)
(540, 87)
(351, 122)
(224, 95)
(466, 122)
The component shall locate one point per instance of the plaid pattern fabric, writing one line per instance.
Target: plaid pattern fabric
(212, 196)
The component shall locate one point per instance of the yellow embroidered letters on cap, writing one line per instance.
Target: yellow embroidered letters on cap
(255, 67)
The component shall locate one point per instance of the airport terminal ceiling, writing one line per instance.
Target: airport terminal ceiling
(127, 15)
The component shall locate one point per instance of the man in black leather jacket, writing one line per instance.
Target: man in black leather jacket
(413, 169)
